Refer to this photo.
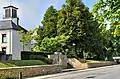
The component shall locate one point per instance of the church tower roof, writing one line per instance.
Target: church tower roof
(10, 6)
(10, 19)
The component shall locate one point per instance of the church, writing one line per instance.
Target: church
(10, 45)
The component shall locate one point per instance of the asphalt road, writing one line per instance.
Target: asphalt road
(109, 72)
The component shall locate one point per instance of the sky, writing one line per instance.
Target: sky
(31, 12)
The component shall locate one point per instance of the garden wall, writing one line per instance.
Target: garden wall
(29, 71)
(100, 64)
(78, 65)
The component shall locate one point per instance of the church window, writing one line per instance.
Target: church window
(7, 13)
(4, 38)
(14, 13)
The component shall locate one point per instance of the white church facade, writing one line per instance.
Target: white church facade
(10, 45)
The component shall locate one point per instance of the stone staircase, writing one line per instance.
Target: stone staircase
(76, 63)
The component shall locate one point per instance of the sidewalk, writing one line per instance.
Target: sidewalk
(67, 71)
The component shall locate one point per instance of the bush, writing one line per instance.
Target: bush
(5, 75)
(29, 55)
(37, 57)
(82, 60)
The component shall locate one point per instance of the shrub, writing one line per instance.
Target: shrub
(27, 55)
(5, 75)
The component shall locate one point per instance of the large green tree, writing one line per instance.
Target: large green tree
(48, 28)
(49, 22)
(72, 29)
(107, 12)
(75, 20)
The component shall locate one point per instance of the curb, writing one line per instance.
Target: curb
(69, 70)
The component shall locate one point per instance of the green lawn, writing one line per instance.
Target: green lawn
(93, 61)
(21, 63)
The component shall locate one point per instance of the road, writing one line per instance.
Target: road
(109, 72)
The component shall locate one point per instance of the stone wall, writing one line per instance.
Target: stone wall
(29, 71)
(78, 65)
(59, 58)
(100, 64)
(96, 64)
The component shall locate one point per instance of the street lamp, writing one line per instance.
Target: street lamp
(74, 49)
(73, 44)
(66, 51)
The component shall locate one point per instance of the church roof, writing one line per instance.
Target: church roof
(8, 24)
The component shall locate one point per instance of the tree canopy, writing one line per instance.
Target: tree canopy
(75, 20)
(107, 14)
(49, 22)
(72, 28)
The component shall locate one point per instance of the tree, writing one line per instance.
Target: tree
(48, 28)
(38, 38)
(107, 13)
(26, 37)
(49, 22)
(72, 27)
(75, 20)
(52, 44)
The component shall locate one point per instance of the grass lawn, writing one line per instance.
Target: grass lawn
(21, 63)
(93, 61)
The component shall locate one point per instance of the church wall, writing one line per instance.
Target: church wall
(16, 45)
(8, 43)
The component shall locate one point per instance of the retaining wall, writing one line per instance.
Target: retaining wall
(29, 71)
(78, 65)
(99, 64)
(96, 64)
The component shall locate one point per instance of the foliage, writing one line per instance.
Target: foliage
(49, 22)
(48, 30)
(25, 36)
(75, 20)
(6, 75)
(107, 13)
(72, 24)
(30, 55)
(52, 44)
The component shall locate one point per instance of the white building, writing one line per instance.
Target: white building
(9, 37)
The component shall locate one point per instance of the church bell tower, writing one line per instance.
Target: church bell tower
(10, 13)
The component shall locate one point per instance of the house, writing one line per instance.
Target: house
(9, 37)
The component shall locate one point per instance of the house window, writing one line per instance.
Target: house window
(4, 39)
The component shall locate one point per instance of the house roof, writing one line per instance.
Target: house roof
(8, 24)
